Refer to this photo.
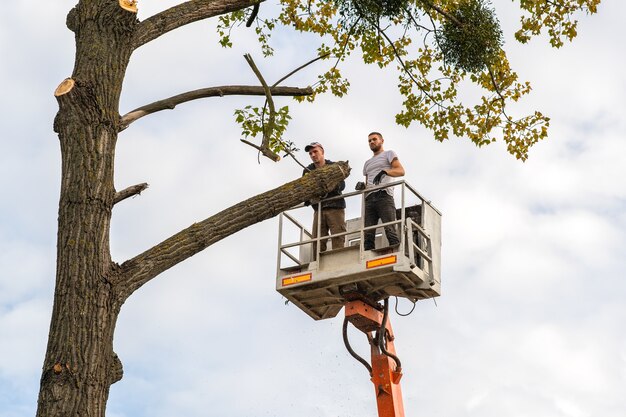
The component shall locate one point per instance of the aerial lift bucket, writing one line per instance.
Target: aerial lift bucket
(322, 283)
(318, 282)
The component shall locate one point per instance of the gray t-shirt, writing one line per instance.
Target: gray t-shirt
(377, 163)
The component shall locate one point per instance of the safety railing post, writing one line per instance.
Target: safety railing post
(409, 239)
(318, 242)
(280, 242)
(362, 226)
(402, 218)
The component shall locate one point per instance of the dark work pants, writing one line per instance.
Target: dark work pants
(379, 205)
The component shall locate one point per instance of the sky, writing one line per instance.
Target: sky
(531, 316)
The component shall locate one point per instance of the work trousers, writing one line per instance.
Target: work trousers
(379, 205)
(333, 220)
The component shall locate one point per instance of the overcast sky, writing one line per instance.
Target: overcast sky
(531, 319)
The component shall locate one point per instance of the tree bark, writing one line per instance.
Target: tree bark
(80, 364)
(183, 14)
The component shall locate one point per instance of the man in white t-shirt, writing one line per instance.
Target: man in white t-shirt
(379, 169)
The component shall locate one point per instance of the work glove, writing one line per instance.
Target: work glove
(359, 186)
(379, 177)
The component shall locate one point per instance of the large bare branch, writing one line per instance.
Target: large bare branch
(137, 271)
(242, 90)
(183, 14)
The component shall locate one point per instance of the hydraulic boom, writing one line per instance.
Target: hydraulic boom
(385, 369)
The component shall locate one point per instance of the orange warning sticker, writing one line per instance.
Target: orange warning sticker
(296, 279)
(387, 260)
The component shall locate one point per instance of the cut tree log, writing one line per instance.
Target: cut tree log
(65, 87)
(130, 5)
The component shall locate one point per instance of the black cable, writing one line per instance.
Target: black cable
(404, 315)
(382, 333)
(352, 352)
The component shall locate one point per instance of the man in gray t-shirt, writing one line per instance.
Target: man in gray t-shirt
(379, 169)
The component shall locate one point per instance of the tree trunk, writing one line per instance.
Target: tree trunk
(80, 364)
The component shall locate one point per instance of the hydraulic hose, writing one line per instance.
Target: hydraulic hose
(382, 335)
(350, 350)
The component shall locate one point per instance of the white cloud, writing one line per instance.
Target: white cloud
(23, 348)
(531, 318)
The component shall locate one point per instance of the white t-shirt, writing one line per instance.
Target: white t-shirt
(377, 163)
